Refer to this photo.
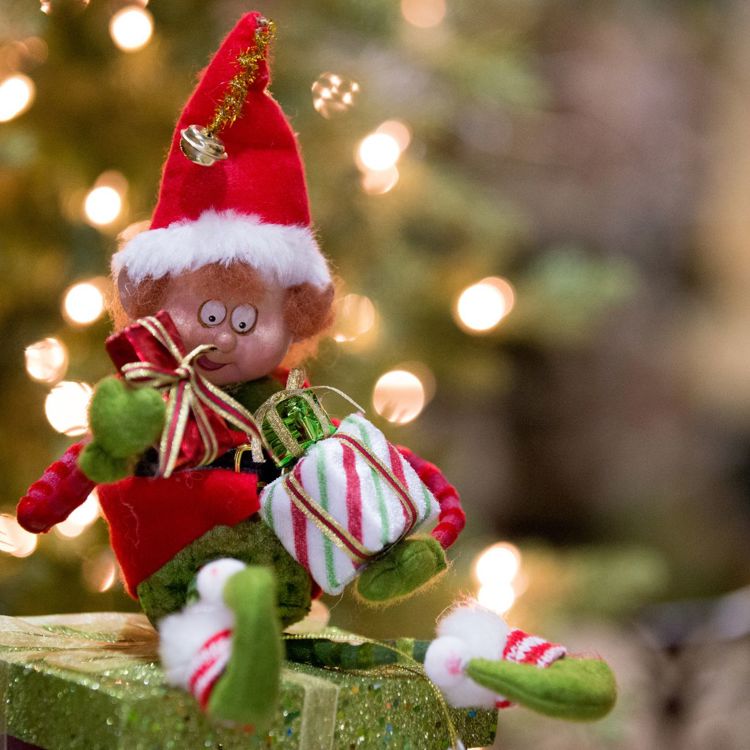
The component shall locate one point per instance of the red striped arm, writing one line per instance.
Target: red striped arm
(452, 518)
(53, 497)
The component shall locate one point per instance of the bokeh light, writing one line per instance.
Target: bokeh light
(378, 152)
(499, 597)
(100, 571)
(52, 6)
(423, 13)
(380, 182)
(131, 28)
(66, 407)
(399, 396)
(46, 360)
(16, 96)
(104, 202)
(355, 316)
(81, 518)
(398, 130)
(15, 540)
(481, 306)
(498, 563)
(83, 303)
(496, 569)
(334, 94)
(132, 230)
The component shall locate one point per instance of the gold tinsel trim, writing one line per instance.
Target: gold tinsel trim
(230, 107)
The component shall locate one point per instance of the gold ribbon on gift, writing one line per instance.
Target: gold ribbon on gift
(89, 643)
(405, 665)
(295, 386)
(189, 394)
(119, 649)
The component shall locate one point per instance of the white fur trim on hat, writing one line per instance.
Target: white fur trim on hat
(287, 254)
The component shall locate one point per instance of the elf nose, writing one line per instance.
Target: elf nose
(225, 341)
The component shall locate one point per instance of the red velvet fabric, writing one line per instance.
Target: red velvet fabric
(263, 174)
(53, 497)
(452, 518)
(151, 520)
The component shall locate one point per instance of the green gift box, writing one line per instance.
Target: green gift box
(93, 681)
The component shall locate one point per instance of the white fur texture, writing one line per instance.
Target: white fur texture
(289, 255)
(183, 633)
(466, 632)
(212, 578)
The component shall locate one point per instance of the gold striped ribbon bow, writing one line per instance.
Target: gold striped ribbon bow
(189, 394)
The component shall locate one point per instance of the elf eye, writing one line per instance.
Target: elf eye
(243, 318)
(212, 312)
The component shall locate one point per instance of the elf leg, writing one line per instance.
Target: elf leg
(247, 692)
(226, 647)
(477, 660)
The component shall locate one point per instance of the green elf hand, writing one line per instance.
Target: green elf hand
(125, 422)
(403, 570)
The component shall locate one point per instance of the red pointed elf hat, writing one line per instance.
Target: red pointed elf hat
(233, 187)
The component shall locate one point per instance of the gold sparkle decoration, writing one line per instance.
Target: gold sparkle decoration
(202, 145)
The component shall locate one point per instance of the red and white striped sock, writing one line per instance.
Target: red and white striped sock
(208, 665)
(522, 648)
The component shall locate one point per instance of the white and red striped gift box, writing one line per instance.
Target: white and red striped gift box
(347, 499)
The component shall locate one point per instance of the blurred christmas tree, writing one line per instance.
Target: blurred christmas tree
(418, 121)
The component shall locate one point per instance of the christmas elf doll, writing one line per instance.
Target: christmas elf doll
(222, 547)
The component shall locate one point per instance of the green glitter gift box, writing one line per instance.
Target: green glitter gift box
(93, 682)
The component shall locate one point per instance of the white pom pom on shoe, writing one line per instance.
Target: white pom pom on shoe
(468, 631)
(212, 578)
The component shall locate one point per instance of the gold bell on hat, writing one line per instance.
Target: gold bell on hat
(201, 147)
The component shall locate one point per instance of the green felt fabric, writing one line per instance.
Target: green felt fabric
(248, 691)
(407, 567)
(251, 541)
(125, 421)
(102, 467)
(575, 689)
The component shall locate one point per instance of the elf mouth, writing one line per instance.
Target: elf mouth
(208, 364)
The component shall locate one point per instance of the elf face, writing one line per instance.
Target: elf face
(238, 313)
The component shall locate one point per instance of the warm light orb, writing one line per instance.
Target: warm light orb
(334, 94)
(131, 28)
(398, 130)
(499, 563)
(378, 152)
(66, 407)
(399, 396)
(380, 183)
(483, 305)
(83, 303)
(46, 360)
(499, 597)
(16, 96)
(81, 518)
(100, 572)
(51, 6)
(423, 13)
(355, 316)
(102, 205)
(15, 540)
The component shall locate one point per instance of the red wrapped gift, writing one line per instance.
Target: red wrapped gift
(150, 353)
